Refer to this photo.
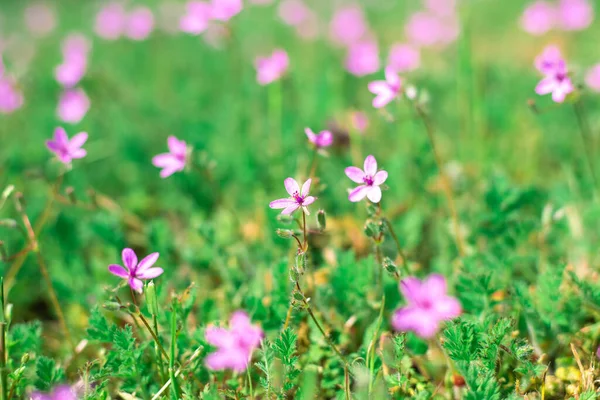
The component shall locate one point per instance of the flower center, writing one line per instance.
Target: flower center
(368, 180)
(298, 197)
(561, 76)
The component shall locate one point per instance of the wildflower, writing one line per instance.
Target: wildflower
(70, 72)
(65, 149)
(224, 10)
(424, 29)
(556, 81)
(234, 346)
(40, 19)
(549, 59)
(11, 98)
(196, 19)
(133, 271)
(592, 78)
(173, 161)
(575, 15)
(370, 178)
(73, 105)
(428, 306)
(298, 198)
(359, 121)
(387, 90)
(270, 69)
(323, 139)
(293, 12)
(348, 26)
(363, 58)
(404, 58)
(539, 17)
(309, 27)
(75, 45)
(62, 392)
(442, 8)
(111, 21)
(139, 23)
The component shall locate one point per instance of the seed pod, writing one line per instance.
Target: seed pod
(301, 262)
(112, 306)
(151, 298)
(294, 275)
(389, 265)
(371, 229)
(321, 220)
(285, 233)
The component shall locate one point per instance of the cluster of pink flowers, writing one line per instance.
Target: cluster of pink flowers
(73, 104)
(436, 25)
(114, 21)
(556, 75)
(11, 98)
(199, 14)
(542, 16)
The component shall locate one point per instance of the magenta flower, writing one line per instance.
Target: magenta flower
(348, 25)
(270, 69)
(70, 72)
(111, 21)
(442, 8)
(293, 12)
(323, 139)
(428, 306)
(139, 24)
(62, 392)
(555, 81)
(363, 58)
(404, 58)
(11, 98)
(387, 90)
(539, 17)
(592, 78)
(173, 161)
(73, 105)
(370, 179)
(298, 198)
(359, 121)
(67, 150)
(133, 271)
(40, 19)
(75, 45)
(424, 29)
(196, 19)
(575, 15)
(549, 60)
(224, 10)
(234, 346)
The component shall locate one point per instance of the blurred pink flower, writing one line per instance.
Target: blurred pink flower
(442, 8)
(424, 29)
(293, 12)
(111, 21)
(309, 28)
(370, 180)
(62, 392)
(428, 305)
(196, 19)
(539, 17)
(133, 271)
(70, 72)
(270, 69)
(404, 58)
(575, 15)
(76, 45)
(261, 2)
(234, 346)
(67, 150)
(215, 35)
(387, 90)
(173, 161)
(73, 105)
(592, 78)
(299, 198)
(549, 59)
(140, 23)
(363, 58)
(224, 10)
(40, 19)
(557, 82)
(359, 121)
(348, 25)
(11, 98)
(323, 139)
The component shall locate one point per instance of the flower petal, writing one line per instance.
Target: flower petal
(435, 285)
(291, 186)
(79, 153)
(282, 203)
(374, 194)
(176, 146)
(356, 174)
(147, 262)
(308, 200)
(447, 308)
(392, 77)
(136, 284)
(78, 140)
(424, 324)
(378, 87)
(52, 145)
(291, 208)
(358, 193)
(118, 270)
(60, 136)
(164, 160)
(545, 86)
(129, 258)
(370, 165)
(168, 171)
(219, 337)
(380, 177)
(411, 289)
(150, 273)
(310, 134)
(306, 187)
(383, 99)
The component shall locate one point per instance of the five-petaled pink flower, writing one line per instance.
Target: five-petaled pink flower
(62, 392)
(139, 23)
(173, 161)
(67, 150)
(111, 21)
(387, 90)
(133, 271)
(270, 69)
(370, 178)
(428, 306)
(575, 15)
(234, 345)
(323, 139)
(363, 58)
(298, 198)
(348, 25)
(549, 59)
(556, 79)
(404, 57)
(539, 17)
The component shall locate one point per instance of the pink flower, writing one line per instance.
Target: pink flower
(442, 8)
(428, 306)
(348, 25)
(293, 12)
(173, 161)
(76, 45)
(539, 17)
(197, 17)
(40, 19)
(298, 198)
(359, 121)
(62, 392)
(309, 28)
(70, 72)
(67, 150)
(134, 272)
(424, 29)
(575, 15)
(270, 69)
(363, 58)
(592, 78)
(370, 179)
(139, 23)
(404, 58)
(11, 98)
(234, 346)
(548, 60)
(387, 90)
(323, 139)
(111, 21)
(224, 10)
(73, 105)
(556, 81)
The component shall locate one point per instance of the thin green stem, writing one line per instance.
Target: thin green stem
(175, 386)
(157, 349)
(250, 384)
(3, 371)
(305, 239)
(313, 164)
(398, 246)
(585, 134)
(156, 340)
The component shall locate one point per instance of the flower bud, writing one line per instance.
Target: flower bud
(8, 223)
(285, 233)
(151, 298)
(25, 358)
(371, 229)
(5, 193)
(294, 275)
(301, 262)
(389, 265)
(321, 220)
(112, 306)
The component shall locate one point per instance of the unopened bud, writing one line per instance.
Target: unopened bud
(151, 298)
(322, 220)
(294, 275)
(112, 306)
(25, 358)
(301, 262)
(298, 296)
(371, 229)
(285, 233)
(389, 265)
(5, 193)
